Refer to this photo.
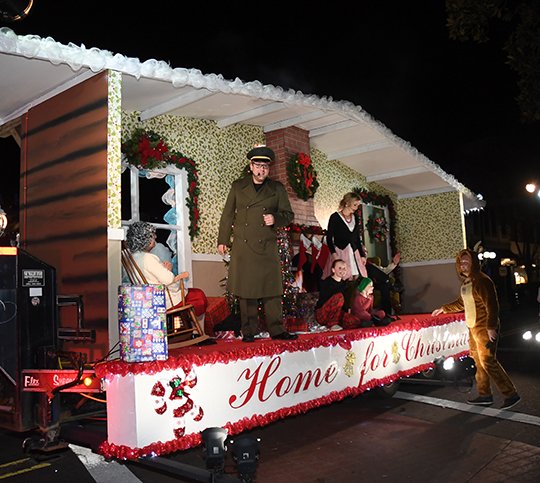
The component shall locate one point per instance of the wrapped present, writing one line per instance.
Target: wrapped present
(142, 324)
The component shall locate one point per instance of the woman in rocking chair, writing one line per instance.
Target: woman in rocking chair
(141, 238)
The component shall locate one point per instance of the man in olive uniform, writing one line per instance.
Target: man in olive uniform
(255, 207)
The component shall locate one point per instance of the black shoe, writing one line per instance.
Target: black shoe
(248, 338)
(481, 401)
(285, 336)
(511, 401)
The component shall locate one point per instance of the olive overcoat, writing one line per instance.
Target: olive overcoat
(255, 267)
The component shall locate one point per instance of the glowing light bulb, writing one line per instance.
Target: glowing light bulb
(448, 364)
(527, 335)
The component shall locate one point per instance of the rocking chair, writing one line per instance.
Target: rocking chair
(183, 328)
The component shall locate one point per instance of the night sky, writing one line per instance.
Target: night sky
(453, 101)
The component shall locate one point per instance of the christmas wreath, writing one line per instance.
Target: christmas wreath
(302, 177)
(377, 228)
(146, 149)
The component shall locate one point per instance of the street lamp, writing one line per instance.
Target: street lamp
(533, 188)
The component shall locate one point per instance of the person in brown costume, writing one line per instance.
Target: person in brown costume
(478, 299)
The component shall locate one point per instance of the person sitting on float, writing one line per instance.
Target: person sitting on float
(329, 308)
(141, 238)
(362, 312)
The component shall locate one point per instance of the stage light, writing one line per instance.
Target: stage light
(246, 452)
(449, 368)
(214, 446)
(530, 187)
(527, 335)
(448, 364)
(537, 337)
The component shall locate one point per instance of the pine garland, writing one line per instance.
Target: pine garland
(146, 149)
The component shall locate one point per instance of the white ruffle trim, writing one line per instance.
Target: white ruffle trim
(77, 57)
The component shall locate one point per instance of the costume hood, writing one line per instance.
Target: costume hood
(475, 263)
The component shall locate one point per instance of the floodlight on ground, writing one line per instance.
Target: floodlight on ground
(450, 368)
(448, 364)
(214, 447)
(246, 451)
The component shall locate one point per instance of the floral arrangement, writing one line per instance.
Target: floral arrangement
(302, 177)
(377, 228)
(146, 149)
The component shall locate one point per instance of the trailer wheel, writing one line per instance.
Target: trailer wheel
(387, 390)
(33, 443)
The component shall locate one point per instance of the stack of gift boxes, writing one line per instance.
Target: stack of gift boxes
(141, 316)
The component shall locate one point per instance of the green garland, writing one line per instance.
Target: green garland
(383, 200)
(146, 149)
(302, 177)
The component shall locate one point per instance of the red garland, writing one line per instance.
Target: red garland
(109, 450)
(185, 361)
(186, 358)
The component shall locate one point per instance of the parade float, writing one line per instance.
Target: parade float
(73, 111)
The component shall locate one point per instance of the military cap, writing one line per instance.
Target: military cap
(261, 154)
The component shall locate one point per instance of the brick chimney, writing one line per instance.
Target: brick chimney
(285, 143)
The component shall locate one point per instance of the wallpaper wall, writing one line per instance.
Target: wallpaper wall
(220, 157)
(114, 126)
(430, 227)
(335, 179)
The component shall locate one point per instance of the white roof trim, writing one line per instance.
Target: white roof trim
(173, 104)
(310, 116)
(360, 150)
(79, 57)
(76, 79)
(252, 113)
(397, 174)
(331, 128)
